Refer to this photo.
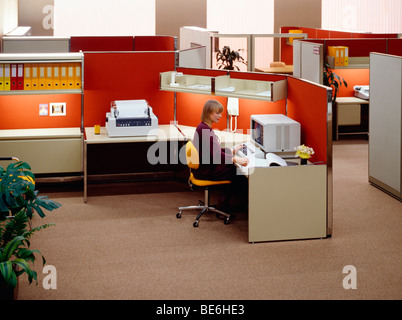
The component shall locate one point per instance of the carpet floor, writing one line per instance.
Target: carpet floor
(126, 243)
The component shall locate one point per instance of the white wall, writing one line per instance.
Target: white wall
(377, 16)
(104, 17)
(8, 16)
(239, 16)
(244, 17)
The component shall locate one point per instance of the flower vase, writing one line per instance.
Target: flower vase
(303, 161)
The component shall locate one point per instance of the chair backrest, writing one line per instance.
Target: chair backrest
(192, 157)
(277, 64)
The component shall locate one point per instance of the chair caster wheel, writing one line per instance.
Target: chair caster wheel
(178, 215)
(226, 221)
(195, 224)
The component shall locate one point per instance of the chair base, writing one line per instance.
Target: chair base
(204, 207)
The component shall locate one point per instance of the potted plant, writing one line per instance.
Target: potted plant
(227, 57)
(332, 80)
(18, 202)
(15, 253)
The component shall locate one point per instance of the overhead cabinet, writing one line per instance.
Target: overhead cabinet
(224, 86)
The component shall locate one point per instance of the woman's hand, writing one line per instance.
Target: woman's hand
(237, 148)
(240, 161)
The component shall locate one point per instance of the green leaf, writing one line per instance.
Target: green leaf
(11, 247)
(25, 268)
(7, 271)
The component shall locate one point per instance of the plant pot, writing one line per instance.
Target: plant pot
(303, 161)
(6, 292)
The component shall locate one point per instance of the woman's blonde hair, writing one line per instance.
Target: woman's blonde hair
(209, 107)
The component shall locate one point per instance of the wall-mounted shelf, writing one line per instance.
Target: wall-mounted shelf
(187, 83)
(226, 86)
(26, 74)
(354, 63)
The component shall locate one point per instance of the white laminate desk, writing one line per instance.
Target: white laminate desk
(348, 112)
(166, 133)
(163, 133)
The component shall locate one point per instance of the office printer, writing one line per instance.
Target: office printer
(362, 92)
(130, 118)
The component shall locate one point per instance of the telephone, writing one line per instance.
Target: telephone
(362, 92)
(233, 112)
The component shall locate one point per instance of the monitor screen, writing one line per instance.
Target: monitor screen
(257, 132)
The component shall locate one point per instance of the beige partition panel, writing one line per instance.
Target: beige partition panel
(288, 203)
(385, 122)
(308, 61)
(45, 150)
(36, 45)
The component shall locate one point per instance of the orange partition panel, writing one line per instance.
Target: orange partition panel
(359, 47)
(24, 111)
(395, 47)
(101, 43)
(256, 76)
(307, 104)
(189, 108)
(126, 76)
(352, 77)
(202, 72)
(154, 43)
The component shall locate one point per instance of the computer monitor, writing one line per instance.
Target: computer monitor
(275, 132)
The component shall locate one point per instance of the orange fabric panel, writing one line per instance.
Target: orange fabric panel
(154, 43)
(395, 47)
(323, 34)
(22, 112)
(189, 109)
(375, 35)
(307, 104)
(256, 76)
(339, 35)
(126, 76)
(359, 47)
(100, 43)
(352, 77)
(202, 72)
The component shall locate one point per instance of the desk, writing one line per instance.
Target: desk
(285, 203)
(288, 69)
(163, 133)
(349, 113)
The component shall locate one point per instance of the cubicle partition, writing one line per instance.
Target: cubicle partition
(308, 104)
(286, 48)
(113, 76)
(48, 44)
(101, 43)
(385, 145)
(291, 202)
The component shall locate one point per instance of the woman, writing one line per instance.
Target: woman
(216, 163)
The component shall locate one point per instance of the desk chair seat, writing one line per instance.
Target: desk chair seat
(203, 206)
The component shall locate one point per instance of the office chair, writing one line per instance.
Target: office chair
(276, 64)
(192, 159)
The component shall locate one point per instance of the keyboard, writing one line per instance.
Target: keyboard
(247, 150)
